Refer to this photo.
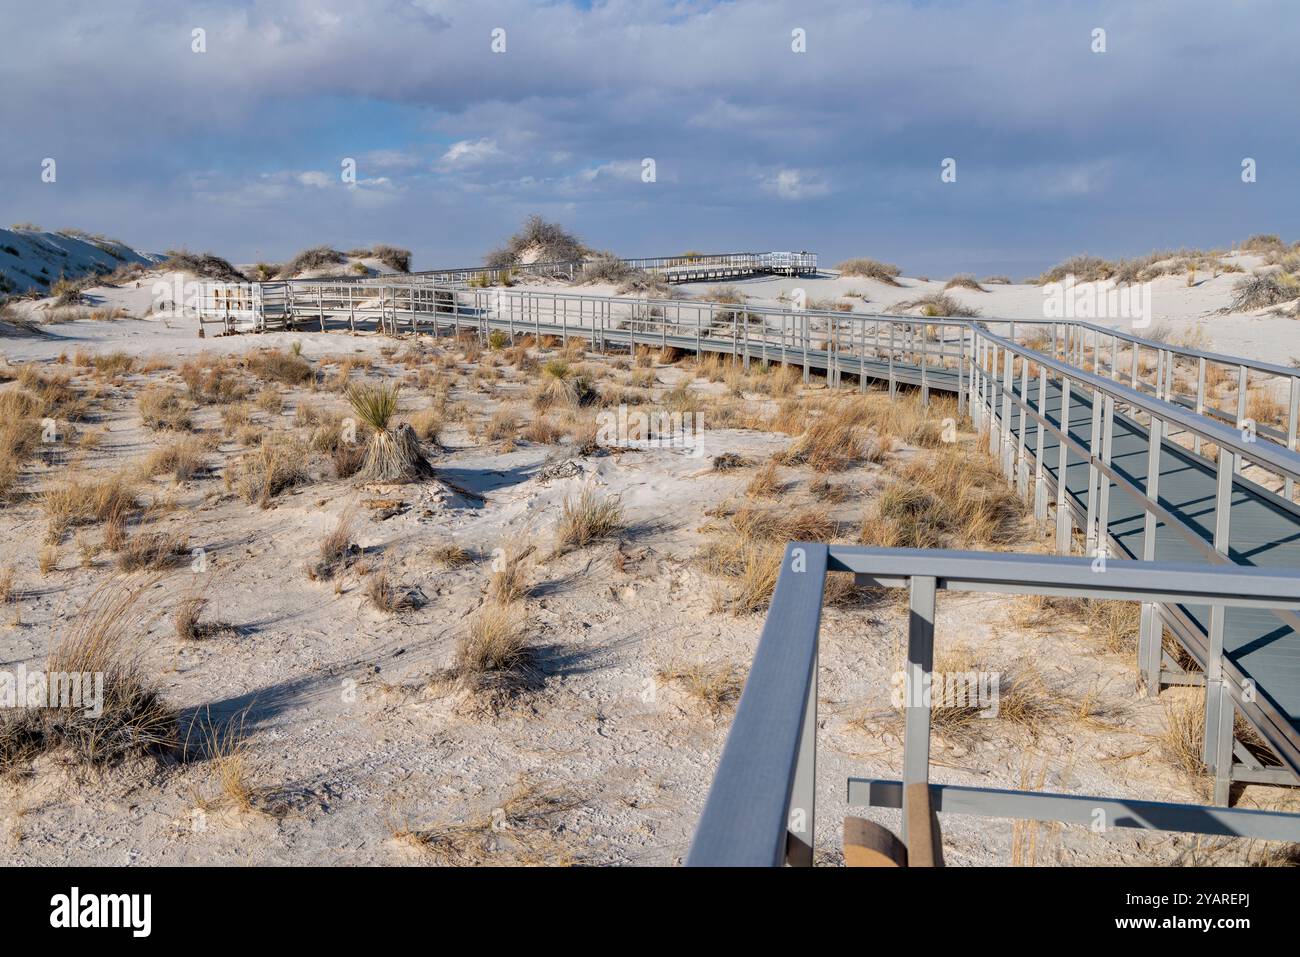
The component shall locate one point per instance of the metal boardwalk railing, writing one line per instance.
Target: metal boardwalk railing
(761, 807)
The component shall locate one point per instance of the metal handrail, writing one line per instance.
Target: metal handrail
(1281, 460)
(761, 807)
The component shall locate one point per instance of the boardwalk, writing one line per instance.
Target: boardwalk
(1261, 647)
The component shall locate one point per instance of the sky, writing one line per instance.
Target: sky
(771, 125)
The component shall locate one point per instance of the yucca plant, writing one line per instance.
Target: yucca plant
(392, 454)
(561, 385)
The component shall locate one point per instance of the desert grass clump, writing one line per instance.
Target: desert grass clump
(561, 384)
(152, 551)
(828, 445)
(493, 659)
(82, 499)
(235, 417)
(587, 518)
(524, 825)
(452, 555)
(1259, 292)
(275, 466)
(831, 493)
(746, 553)
(938, 304)
(386, 595)
(427, 424)
(541, 430)
(1184, 733)
(276, 366)
(766, 482)
(953, 499)
(870, 269)
(182, 458)
(270, 401)
(131, 721)
(715, 685)
(392, 454)
(964, 281)
(509, 581)
(335, 549)
(162, 408)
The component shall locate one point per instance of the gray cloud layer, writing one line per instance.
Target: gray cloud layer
(836, 149)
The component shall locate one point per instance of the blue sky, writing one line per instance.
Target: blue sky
(1059, 149)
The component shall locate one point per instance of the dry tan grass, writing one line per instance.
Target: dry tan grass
(47, 559)
(715, 685)
(745, 552)
(427, 424)
(1263, 408)
(163, 408)
(1184, 733)
(494, 644)
(225, 750)
(954, 499)
(334, 549)
(1114, 624)
(509, 581)
(587, 518)
(133, 721)
(270, 401)
(832, 493)
(275, 466)
(152, 551)
(452, 555)
(521, 830)
(183, 458)
(276, 366)
(766, 482)
(542, 430)
(385, 594)
(82, 499)
(235, 417)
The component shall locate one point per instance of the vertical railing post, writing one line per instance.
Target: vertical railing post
(893, 382)
(1022, 464)
(1200, 400)
(1040, 481)
(1150, 638)
(1293, 415)
(920, 663)
(1094, 452)
(1062, 461)
(801, 822)
(925, 382)
(1103, 477)
(1007, 448)
(1217, 750)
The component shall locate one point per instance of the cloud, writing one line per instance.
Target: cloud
(471, 153)
(794, 184)
(314, 179)
(743, 130)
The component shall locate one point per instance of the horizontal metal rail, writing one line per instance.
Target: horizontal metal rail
(760, 810)
(785, 263)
